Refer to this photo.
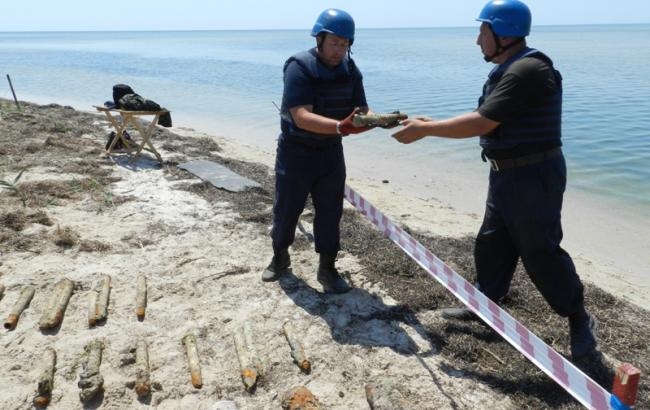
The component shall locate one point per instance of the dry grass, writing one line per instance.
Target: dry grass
(65, 237)
(87, 245)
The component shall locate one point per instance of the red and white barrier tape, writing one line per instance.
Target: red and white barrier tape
(579, 385)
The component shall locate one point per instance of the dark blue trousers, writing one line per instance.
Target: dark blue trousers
(300, 171)
(522, 220)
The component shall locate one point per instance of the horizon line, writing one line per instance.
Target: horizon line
(296, 29)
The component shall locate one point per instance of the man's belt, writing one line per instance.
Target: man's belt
(530, 159)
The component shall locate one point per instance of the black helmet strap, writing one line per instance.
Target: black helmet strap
(321, 37)
(500, 48)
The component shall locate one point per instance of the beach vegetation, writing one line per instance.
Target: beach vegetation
(13, 186)
(90, 245)
(65, 237)
(66, 173)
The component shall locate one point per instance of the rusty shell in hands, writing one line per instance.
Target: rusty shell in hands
(378, 120)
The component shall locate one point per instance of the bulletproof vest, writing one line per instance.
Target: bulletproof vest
(540, 123)
(333, 90)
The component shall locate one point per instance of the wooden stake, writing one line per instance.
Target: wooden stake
(13, 92)
(26, 295)
(58, 302)
(46, 378)
(193, 360)
(142, 375)
(91, 381)
(297, 352)
(141, 297)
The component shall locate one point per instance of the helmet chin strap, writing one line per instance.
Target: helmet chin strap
(500, 49)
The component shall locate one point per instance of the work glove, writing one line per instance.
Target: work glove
(347, 127)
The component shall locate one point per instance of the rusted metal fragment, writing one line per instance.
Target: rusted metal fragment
(300, 398)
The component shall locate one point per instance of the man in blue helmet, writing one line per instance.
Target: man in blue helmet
(323, 89)
(518, 120)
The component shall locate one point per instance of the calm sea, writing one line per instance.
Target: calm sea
(227, 82)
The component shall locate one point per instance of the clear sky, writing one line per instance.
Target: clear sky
(74, 15)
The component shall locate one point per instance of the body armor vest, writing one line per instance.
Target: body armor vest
(539, 123)
(333, 90)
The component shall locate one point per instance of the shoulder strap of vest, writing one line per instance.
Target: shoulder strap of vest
(499, 70)
(539, 55)
(308, 60)
(303, 58)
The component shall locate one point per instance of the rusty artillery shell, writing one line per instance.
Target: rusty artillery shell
(26, 295)
(98, 309)
(142, 375)
(250, 345)
(46, 378)
(300, 398)
(249, 361)
(365, 120)
(58, 302)
(92, 307)
(193, 360)
(141, 296)
(91, 381)
(297, 352)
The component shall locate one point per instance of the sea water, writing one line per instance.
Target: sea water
(229, 83)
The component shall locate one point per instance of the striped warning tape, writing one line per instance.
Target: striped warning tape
(583, 388)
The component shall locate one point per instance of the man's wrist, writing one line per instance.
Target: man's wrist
(338, 127)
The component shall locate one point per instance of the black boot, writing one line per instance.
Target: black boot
(581, 331)
(329, 277)
(279, 266)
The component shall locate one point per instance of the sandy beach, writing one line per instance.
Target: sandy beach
(202, 251)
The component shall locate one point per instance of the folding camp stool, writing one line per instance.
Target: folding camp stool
(121, 119)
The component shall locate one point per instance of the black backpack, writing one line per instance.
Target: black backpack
(120, 144)
(125, 98)
(119, 91)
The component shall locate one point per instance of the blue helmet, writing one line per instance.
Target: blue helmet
(336, 22)
(508, 18)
